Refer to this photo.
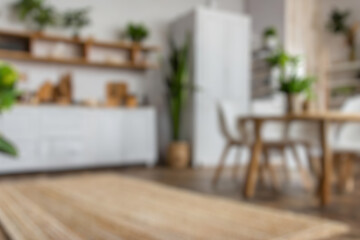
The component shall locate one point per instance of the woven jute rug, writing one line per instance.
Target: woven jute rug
(112, 207)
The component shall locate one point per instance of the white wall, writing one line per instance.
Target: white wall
(265, 13)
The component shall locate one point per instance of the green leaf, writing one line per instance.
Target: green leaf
(137, 32)
(6, 147)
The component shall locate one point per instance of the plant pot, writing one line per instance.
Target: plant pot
(178, 155)
(271, 42)
(293, 104)
(307, 107)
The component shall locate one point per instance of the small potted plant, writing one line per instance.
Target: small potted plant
(178, 154)
(338, 24)
(36, 13)
(76, 20)
(137, 33)
(8, 95)
(270, 38)
(293, 86)
(43, 18)
(25, 8)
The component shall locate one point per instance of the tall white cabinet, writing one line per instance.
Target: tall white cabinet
(220, 65)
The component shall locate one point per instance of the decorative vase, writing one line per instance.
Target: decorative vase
(178, 155)
(293, 104)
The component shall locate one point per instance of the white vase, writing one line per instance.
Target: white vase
(271, 42)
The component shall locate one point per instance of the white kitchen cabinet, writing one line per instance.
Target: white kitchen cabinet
(56, 138)
(220, 64)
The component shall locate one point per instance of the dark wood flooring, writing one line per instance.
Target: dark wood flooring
(344, 207)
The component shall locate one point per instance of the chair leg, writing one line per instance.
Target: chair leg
(346, 176)
(285, 165)
(303, 173)
(313, 163)
(271, 170)
(221, 165)
(236, 168)
(262, 171)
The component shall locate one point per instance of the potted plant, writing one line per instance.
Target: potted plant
(8, 95)
(25, 8)
(338, 24)
(137, 32)
(270, 39)
(290, 82)
(36, 13)
(178, 154)
(44, 17)
(293, 86)
(76, 20)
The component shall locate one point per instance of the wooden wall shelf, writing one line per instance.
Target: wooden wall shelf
(343, 82)
(27, 53)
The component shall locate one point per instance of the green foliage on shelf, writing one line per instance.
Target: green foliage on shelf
(44, 17)
(76, 19)
(36, 13)
(8, 95)
(338, 22)
(269, 32)
(25, 8)
(137, 32)
(178, 85)
(344, 91)
(282, 59)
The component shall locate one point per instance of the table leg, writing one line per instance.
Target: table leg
(326, 161)
(252, 172)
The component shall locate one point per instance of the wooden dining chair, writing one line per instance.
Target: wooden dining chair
(346, 147)
(239, 137)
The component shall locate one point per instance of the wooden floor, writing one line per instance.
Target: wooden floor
(345, 208)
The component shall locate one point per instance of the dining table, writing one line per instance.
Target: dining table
(324, 119)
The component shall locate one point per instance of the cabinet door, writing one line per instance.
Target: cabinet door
(107, 139)
(138, 136)
(21, 126)
(63, 137)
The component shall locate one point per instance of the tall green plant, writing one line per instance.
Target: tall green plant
(8, 95)
(178, 85)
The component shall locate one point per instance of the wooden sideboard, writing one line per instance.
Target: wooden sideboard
(61, 138)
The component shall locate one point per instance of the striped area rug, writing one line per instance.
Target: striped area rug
(112, 207)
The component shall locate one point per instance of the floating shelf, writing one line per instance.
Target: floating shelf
(342, 75)
(26, 42)
(79, 62)
(344, 67)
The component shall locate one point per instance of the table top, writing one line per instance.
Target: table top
(315, 116)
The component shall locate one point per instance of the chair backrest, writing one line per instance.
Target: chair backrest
(228, 113)
(349, 133)
(271, 131)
